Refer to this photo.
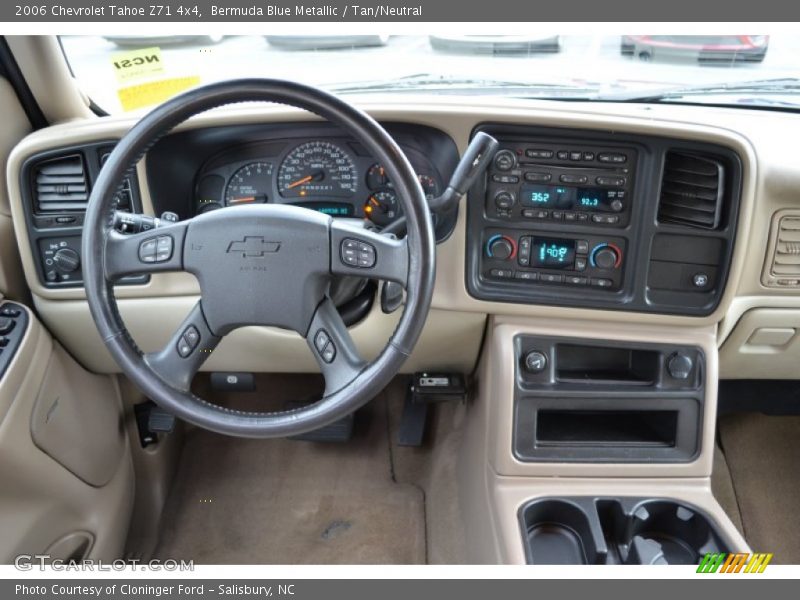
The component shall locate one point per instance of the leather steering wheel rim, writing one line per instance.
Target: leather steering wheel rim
(171, 392)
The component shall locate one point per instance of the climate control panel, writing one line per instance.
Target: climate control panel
(542, 257)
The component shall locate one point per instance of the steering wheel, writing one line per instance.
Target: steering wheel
(265, 264)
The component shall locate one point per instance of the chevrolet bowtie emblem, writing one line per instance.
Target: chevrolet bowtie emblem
(254, 246)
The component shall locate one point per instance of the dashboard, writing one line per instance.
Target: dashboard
(746, 277)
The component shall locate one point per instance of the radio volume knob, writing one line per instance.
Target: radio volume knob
(505, 160)
(67, 260)
(605, 257)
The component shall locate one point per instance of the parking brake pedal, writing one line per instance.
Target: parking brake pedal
(152, 420)
(425, 389)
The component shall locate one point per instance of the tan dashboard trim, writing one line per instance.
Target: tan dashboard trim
(761, 139)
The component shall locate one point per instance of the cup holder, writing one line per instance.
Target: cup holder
(633, 531)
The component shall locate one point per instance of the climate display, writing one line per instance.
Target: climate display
(566, 197)
(552, 253)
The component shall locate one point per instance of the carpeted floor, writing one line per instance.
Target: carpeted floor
(763, 454)
(289, 502)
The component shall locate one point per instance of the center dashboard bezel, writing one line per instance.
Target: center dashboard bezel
(633, 292)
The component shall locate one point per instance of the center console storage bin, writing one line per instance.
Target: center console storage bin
(608, 531)
(605, 401)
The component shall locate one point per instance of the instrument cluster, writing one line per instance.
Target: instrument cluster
(331, 175)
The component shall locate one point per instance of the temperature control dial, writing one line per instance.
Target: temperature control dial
(501, 247)
(606, 256)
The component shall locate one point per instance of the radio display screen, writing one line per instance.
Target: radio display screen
(552, 253)
(565, 197)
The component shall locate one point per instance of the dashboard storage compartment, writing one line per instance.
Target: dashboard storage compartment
(609, 531)
(602, 401)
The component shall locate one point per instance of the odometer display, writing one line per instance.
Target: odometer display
(317, 169)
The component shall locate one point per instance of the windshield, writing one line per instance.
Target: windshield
(134, 72)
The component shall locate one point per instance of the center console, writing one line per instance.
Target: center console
(602, 220)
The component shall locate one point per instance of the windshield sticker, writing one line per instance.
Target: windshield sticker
(137, 64)
(139, 96)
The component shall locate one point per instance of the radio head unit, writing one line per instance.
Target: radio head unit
(563, 183)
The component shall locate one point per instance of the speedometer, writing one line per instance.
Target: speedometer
(317, 169)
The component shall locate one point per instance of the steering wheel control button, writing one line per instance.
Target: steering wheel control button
(535, 361)
(156, 249)
(329, 353)
(679, 366)
(147, 251)
(356, 253)
(164, 245)
(189, 341)
(321, 340)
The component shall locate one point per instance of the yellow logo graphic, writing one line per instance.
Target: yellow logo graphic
(741, 562)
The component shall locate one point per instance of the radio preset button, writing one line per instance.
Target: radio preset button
(575, 155)
(505, 178)
(612, 157)
(562, 155)
(537, 177)
(530, 213)
(557, 215)
(570, 216)
(588, 156)
(583, 216)
(610, 181)
(573, 179)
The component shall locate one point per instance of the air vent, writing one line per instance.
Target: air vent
(60, 185)
(691, 191)
(784, 270)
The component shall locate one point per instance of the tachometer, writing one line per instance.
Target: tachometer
(317, 169)
(250, 184)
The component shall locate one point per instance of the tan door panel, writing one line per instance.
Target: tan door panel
(44, 505)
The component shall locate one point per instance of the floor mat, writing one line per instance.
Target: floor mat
(286, 502)
(763, 454)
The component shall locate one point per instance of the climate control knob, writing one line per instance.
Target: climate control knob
(501, 247)
(67, 260)
(606, 256)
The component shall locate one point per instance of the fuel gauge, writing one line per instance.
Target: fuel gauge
(381, 207)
